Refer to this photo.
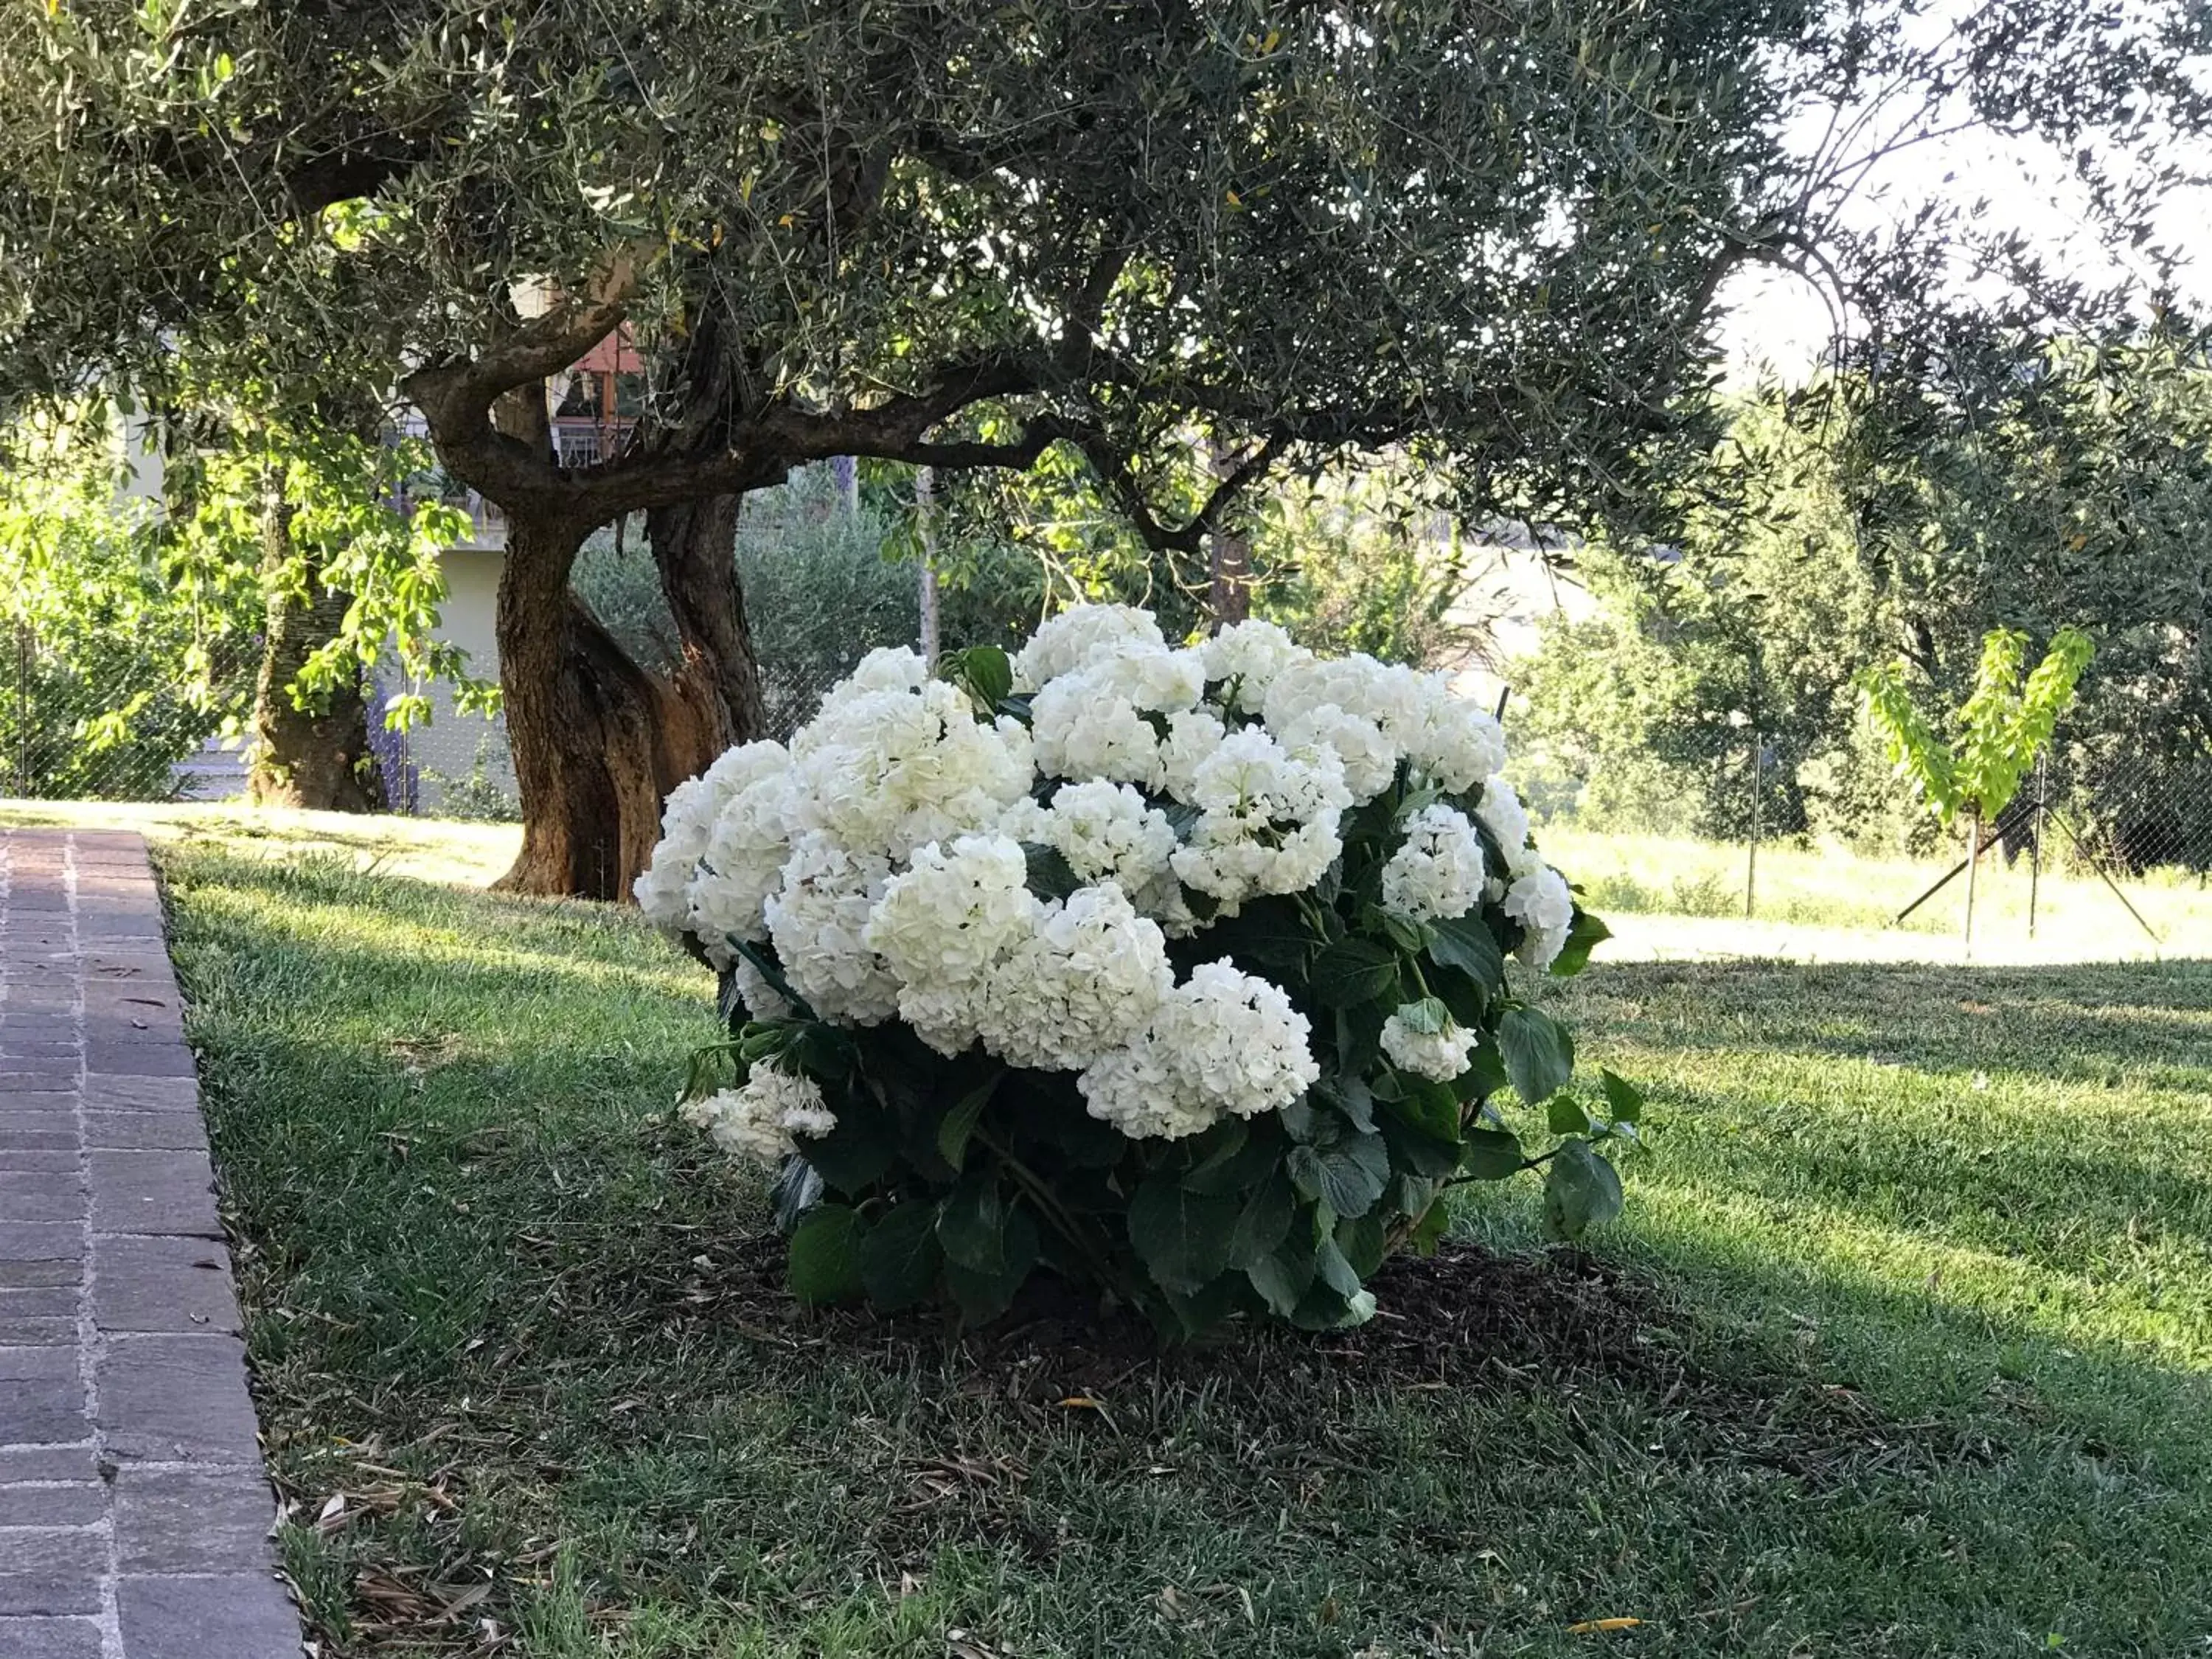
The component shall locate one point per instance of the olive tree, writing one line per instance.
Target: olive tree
(956, 236)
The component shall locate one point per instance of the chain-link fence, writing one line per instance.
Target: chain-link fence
(121, 722)
(2104, 851)
(98, 715)
(2109, 842)
(123, 729)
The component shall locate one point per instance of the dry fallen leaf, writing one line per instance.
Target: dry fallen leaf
(459, 1599)
(1591, 1626)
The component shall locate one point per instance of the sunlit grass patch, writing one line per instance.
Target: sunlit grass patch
(1901, 1350)
(427, 849)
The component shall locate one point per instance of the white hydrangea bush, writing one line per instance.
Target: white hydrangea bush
(1182, 970)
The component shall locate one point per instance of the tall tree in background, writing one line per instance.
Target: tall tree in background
(2019, 483)
(309, 518)
(961, 237)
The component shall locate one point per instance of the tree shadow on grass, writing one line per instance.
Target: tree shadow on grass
(524, 1320)
(586, 1336)
(1958, 1182)
(2091, 1024)
(642, 1387)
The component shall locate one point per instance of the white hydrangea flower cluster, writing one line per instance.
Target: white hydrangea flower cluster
(1086, 981)
(1247, 657)
(944, 926)
(818, 921)
(760, 1119)
(1507, 820)
(1223, 1044)
(1106, 832)
(1082, 730)
(742, 864)
(761, 1000)
(880, 856)
(1418, 718)
(1439, 870)
(687, 824)
(1065, 642)
(1267, 819)
(889, 771)
(1542, 904)
(1441, 1055)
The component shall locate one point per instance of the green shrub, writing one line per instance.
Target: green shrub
(1215, 1042)
(823, 586)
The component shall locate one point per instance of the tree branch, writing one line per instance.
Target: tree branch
(542, 345)
(1187, 538)
(457, 399)
(1086, 309)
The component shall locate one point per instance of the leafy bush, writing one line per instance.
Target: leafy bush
(118, 656)
(1356, 561)
(823, 586)
(1180, 973)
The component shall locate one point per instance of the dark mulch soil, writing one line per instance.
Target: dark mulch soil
(1558, 1321)
(1610, 1347)
(1462, 1312)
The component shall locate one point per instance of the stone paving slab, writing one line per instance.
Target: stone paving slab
(134, 1511)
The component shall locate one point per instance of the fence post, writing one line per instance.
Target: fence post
(2035, 841)
(1751, 863)
(1758, 780)
(26, 646)
(1974, 866)
(925, 511)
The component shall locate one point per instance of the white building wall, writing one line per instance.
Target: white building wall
(447, 746)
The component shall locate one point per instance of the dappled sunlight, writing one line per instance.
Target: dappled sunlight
(481, 1258)
(428, 849)
(573, 942)
(2045, 1155)
(1674, 898)
(2116, 1026)
(2121, 1306)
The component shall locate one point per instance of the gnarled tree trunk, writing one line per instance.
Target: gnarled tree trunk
(598, 741)
(694, 549)
(317, 757)
(1229, 559)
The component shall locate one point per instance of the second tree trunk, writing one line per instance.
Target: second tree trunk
(317, 757)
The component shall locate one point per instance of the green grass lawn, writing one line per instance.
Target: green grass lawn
(1901, 1349)
(434, 849)
(2077, 916)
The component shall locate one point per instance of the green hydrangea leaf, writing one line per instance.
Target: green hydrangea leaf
(900, 1257)
(1584, 937)
(1348, 1175)
(1580, 1191)
(1491, 1155)
(1540, 1055)
(1351, 972)
(1466, 943)
(1624, 1101)
(825, 1263)
(1183, 1237)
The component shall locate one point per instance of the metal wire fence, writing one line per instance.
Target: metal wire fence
(2103, 848)
(124, 725)
(2107, 841)
(98, 716)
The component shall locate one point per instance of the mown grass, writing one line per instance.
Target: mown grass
(430, 849)
(2077, 916)
(1907, 1353)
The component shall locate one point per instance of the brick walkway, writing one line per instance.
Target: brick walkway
(134, 1512)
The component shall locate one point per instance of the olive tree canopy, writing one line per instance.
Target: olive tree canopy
(949, 234)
